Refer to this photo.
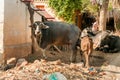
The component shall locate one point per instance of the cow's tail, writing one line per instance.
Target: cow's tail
(78, 43)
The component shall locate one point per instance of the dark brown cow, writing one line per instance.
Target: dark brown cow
(56, 33)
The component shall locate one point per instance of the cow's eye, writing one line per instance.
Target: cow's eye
(40, 25)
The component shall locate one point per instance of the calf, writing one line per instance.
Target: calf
(86, 48)
(56, 33)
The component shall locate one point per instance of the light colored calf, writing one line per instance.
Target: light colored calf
(86, 48)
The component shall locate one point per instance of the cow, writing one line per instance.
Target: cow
(110, 44)
(56, 33)
(103, 40)
(97, 37)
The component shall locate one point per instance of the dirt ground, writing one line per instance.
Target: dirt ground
(97, 58)
(104, 66)
(108, 62)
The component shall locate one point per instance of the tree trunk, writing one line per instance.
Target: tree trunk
(77, 18)
(103, 15)
(31, 12)
(116, 13)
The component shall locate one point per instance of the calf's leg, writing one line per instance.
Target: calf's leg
(86, 59)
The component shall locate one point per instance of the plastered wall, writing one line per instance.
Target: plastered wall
(15, 34)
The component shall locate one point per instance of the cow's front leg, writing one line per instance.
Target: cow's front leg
(44, 53)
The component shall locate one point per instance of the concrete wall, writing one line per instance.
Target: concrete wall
(17, 34)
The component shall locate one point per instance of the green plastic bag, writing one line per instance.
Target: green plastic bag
(53, 76)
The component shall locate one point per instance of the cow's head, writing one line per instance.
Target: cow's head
(37, 27)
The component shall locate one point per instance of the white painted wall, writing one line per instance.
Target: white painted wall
(1, 24)
(1, 10)
(16, 33)
(16, 22)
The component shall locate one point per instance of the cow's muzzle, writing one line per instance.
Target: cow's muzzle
(37, 33)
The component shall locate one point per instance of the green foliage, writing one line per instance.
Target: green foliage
(87, 6)
(65, 8)
(110, 6)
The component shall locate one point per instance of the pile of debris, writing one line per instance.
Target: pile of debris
(52, 70)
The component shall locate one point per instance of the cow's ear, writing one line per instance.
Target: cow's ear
(44, 26)
(33, 25)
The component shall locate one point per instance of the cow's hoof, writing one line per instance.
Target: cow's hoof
(97, 49)
(6, 67)
(82, 60)
(73, 61)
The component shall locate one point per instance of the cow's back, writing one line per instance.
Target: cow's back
(60, 33)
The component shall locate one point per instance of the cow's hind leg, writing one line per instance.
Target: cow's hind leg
(81, 56)
(73, 54)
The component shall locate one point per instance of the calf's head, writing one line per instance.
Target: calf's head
(37, 27)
